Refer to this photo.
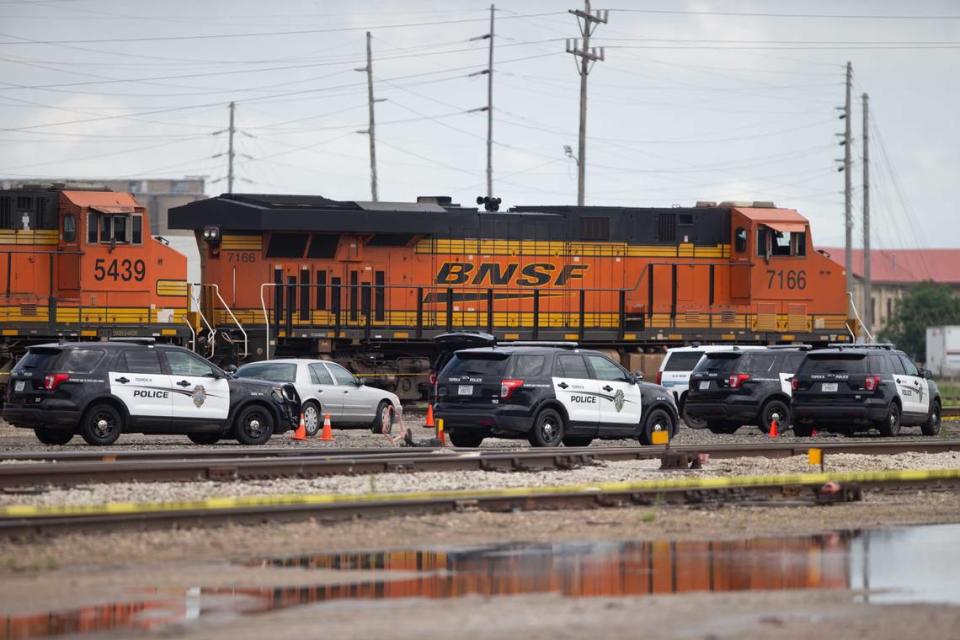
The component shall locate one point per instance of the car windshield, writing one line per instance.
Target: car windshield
(833, 363)
(272, 371)
(476, 364)
(682, 360)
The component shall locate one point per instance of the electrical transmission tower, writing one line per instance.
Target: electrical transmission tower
(588, 21)
(370, 130)
(847, 189)
(231, 153)
(489, 108)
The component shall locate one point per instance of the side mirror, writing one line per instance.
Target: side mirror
(357, 381)
(230, 368)
(926, 373)
(634, 378)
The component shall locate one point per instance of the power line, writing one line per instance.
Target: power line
(829, 16)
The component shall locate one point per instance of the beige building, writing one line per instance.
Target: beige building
(893, 272)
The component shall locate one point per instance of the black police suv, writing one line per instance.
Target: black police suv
(549, 395)
(103, 389)
(859, 387)
(732, 388)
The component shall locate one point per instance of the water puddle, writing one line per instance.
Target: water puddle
(896, 565)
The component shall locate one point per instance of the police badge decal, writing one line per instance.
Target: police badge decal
(199, 396)
(618, 400)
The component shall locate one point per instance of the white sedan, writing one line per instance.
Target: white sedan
(329, 388)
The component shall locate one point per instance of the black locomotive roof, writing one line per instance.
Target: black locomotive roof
(440, 217)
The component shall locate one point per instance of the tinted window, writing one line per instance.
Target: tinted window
(529, 366)
(141, 361)
(761, 364)
(603, 369)
(92, 228)
(272, 371)
(186, 364)
(81, 360)
(320, 375)
(793, 362)
(908, 366)
(137, 236)
(895, 363)
(476, 364)
(722, 362)
(682, 360)
(38, 360)
(878, 363)
(851, 363)
(341, 375)
(570, 365)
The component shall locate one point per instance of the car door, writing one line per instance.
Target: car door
(325, 390)
(139, 381)
(352, 396)
(577, 391)
(915, 396)
(199, 391)
(619, 397)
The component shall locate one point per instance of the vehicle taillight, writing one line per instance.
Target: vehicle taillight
(433, 377)
(737, 379)
(52, 380)
(508, 386)
(659, 377)
(871, 383)
(795, 383)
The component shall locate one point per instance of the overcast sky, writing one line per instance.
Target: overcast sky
(698, 100)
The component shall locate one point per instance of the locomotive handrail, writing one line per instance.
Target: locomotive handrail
(216, 290)
(193, 332)
(213, 332)
(266, 318)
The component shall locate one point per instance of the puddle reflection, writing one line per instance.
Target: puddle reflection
(829, 561)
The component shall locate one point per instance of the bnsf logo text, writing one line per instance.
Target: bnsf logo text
(536, 274)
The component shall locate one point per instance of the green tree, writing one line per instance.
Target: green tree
(926, 305)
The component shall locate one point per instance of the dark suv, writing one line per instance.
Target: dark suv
(732, 388)
(856, 388)
(103, 389)
(549, 395)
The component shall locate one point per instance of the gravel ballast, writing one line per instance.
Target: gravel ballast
(456, 480)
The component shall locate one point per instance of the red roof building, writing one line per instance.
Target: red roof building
(894, 270)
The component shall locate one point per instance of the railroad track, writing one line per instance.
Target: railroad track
(66, 469)
(950, 413)
(29, 521)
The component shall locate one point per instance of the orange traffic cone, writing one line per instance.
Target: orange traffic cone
(441, 436)
(327, 434)
(301, 432)
(774, 432)
(429, 423)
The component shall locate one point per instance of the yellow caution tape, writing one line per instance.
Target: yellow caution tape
(301, 499)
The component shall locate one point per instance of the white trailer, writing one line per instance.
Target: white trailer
(943, 351)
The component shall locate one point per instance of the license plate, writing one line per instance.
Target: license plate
(828, 386)
(704, 385)
(19, 386)
(465, 390)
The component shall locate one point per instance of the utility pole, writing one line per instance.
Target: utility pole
(867, 284)
(489, 106)
(847, 191)
(231, 130)
(588, 21)
(370, 130)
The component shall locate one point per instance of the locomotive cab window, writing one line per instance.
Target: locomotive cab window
(114, 229)
(740, 239)
(772, 242)
(69, 228)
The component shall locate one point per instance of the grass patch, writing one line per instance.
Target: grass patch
(950, 392)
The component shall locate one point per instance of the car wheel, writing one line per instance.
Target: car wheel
(658, 420)
(778, 409)
(204, 438)
(577, 441)
(53, 436)
(465, 438)
(932, 426)
(383, 418)
(693, 423)
(311, 417)
(102, 425)
(254, 425)
(891, 424)
(722, 427)
(547, 429)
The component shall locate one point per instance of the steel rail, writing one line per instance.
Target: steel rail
(320, 462)
(26, 522)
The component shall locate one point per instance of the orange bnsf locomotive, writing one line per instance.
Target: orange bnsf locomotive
(375, 282)
(77, 265)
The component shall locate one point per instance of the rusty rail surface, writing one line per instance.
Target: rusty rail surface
(66, 470)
